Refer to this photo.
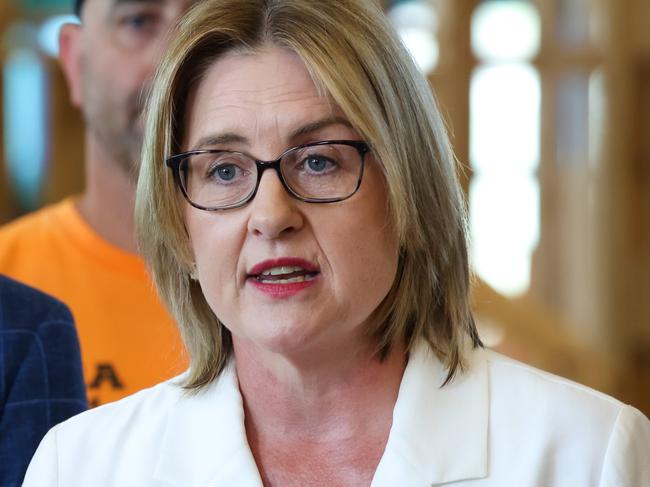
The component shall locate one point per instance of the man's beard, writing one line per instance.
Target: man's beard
(117, 127)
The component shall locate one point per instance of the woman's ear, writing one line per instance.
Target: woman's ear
(70, 59)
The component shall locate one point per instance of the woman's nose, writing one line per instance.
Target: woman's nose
(273, 211)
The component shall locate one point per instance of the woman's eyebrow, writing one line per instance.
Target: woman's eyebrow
(319, 124)
(217, 139)
(231, 137)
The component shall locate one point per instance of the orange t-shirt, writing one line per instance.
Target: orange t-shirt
(128, 340)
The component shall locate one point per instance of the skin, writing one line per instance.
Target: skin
(318, 403)
(109, 61)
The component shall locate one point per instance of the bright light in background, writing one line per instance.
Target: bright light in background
(504, 221)
(597, 117)
(48, 33)
(505, 119)
(25, 123)
(505, 116)
(506, 31)
(423, 46)
(416, 22)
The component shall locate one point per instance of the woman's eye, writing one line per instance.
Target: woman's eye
(318, 163)
(225, 172)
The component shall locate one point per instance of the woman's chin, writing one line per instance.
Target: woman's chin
(292, 343)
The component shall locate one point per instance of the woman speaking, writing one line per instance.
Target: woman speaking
(299, 208)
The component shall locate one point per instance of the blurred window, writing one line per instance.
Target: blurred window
(416, 22)
(25, 102)
(505, 118)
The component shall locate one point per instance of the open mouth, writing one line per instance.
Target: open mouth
(285, 275)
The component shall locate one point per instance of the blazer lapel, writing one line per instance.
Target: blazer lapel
(439, 434)
(205, 439)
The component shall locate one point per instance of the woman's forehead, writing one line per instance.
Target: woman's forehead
(265, 76)
(257, 94)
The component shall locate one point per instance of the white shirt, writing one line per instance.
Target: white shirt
(501, 423)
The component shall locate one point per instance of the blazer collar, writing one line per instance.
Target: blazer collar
(439, 434)
(205, 439)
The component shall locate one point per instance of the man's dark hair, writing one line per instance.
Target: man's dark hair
(78, 4)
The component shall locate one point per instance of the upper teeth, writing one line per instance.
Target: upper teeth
(276, 271)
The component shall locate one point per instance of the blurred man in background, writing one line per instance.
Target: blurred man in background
(82, 250)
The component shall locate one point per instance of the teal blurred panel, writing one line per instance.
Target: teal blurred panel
(25, 124)
(46, 6)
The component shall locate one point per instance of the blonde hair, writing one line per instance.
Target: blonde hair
(355, 57)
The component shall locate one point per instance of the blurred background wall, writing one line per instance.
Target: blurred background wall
(548, 106)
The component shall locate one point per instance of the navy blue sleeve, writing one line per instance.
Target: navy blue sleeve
(41, 379)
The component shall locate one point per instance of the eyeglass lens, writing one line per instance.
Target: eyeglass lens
(319, 172)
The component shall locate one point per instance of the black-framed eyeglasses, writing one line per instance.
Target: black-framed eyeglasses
(318, 172)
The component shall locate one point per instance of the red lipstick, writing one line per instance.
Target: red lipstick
(283, 277)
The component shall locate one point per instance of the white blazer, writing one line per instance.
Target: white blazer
(499, 424)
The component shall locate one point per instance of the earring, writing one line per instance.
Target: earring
(194, 274)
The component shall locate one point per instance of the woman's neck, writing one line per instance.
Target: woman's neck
(328, 413)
